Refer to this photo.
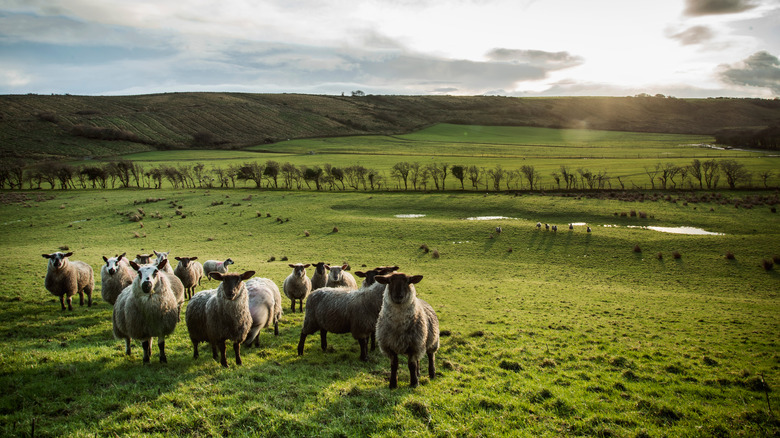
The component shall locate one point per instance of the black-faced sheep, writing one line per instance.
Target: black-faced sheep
(339, 277)
(265, 305)
(210, 266)
(406, 325)
(220, 315)
(146, 309)
(341, 310)
(115, 276)
(190, 272)
(65, 278)
(297, 285)
(320, 277)
(143, 259)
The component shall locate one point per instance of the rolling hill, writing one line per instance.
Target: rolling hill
(40, 127)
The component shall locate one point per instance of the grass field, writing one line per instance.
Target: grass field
(543, 334)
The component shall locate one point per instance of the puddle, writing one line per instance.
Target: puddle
(407, 216)
(679, 230)
(489, 218)
(460, 243)
(579, 224)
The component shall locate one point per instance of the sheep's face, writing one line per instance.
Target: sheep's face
(112, 264)
(232, 284)
(228, 262)
(319, 268)
(299, 269)
(370, 276)
(161, 255)
(148, 276)
(57, 259)
(185, 261)
(143, 259)
(336, 272)
(400, 287)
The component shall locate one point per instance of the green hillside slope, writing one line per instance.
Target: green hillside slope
(38, 127)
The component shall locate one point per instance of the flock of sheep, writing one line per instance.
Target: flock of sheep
(147, 295)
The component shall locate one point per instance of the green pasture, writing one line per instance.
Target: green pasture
(543, 334)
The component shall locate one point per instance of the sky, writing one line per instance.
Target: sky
(681, 48)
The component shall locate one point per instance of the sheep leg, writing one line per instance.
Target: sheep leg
(276, 330)
(88, 291)
(223, 353)
(127, 345)
(161, 346)
(394, 371)
(363, 349)
(237, 350)
(194, 349)
(62, 301)
(214, 351)
(81, 297)
(323, 339)
(70, 303)
(293, 304)
(414, 373)
(147, 350)
(301, 342)
(431, 365)
(373, 341)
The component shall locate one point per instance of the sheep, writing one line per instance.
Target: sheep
(588, 229)
(320, 277)
(555, 228)
(571, 226)
(265, 305)
(547, 227)
(340, 310)
(65, 278)
(339, 277)
(220, 315)
(499, 230)
(297, 285)
(143, 259)
(160, 256)
(190, 272)
(210, 266)
(406, 325)
(147, 308)
(538, 225)
(115, 276)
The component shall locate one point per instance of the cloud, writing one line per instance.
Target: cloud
(712, 7)
(539, 58)
(693, 35)
(760, 69)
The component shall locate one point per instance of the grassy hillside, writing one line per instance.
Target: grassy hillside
(543, 334)
(40, 127)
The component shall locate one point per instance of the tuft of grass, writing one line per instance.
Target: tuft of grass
(676, 255)
(335, 229)
(425, 248)
(435, 254)
(730, 255)
(767, 264)
(306, 233)
(637, 248)
(660, 256)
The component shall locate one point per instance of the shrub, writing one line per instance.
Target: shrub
(730, 255)
(632, 213)
(306, 233)
(425, 248)
(335, 229)
(767, 264)
(677, 255)
(435, 254)
(660, 256)
(637, 248)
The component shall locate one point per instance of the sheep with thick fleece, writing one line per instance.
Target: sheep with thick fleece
(220, 315)
(115, 276)
(339, 277)
(297, 285)
(143, 259)
(265, 305)
(190, 272)
(65, 278)
(320, 277)
(341, 310)
(146, 309)
(160, 256)
(210, 266)
(406, 325)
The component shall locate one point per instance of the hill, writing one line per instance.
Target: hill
(37, 127)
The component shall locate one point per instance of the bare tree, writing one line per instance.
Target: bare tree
(531, 175)
(695, 170)
(400, 171)
(711, 172)
(496, 175)
(474, 173)
(653, 173)
(735, 173)
(459, 172)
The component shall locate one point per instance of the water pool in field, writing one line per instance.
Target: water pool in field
(409, 216)
(690, 231)
(489, 218)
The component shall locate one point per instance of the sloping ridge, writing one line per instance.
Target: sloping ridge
(43, 127)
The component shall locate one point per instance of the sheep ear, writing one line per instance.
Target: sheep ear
(360, 273)
(134, 265)
(247, 275)
(415, 279)
(291, 265)
(46, 256)
(67, 254)
(216, 276)
(105, 259)
(306, 265)
(193, 258)
(156, 253)
(177, 258)
(162, 264)
(344, 267)
(327, 267)
(382, 279)
(121, 257)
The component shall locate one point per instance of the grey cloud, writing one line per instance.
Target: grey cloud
(540, 58)
(760, 69)
(693, 35)
(713, 7)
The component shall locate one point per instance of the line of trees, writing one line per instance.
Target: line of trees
(402, 176)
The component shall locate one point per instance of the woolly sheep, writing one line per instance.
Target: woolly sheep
(320, 277)
(210, 266)
(65, 278)
(555, 227)
(143, 259)
(339, 277)
(190, 272)
(547, 227)
(297, 285)
(163, 256)
(146, 309)
(588, 229)
(340, 310)
(539, 225)
(115, 276)
(571, 226)
(499, 230)
(265, 305)
(406, 325)
(220, 315)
